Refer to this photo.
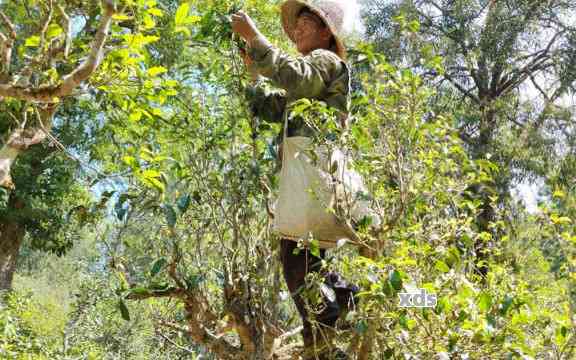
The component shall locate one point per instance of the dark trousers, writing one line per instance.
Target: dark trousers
(296, 267)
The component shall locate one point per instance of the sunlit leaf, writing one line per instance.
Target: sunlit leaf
(484, 302)
(158, 266)
(156, 70)
(53, 31)
(124, 310)
(32, 41)
(181, 14)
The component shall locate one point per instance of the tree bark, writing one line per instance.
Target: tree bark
(484, 191)
(11, 236)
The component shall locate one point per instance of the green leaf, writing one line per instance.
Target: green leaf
(138, 291)
(124, 310)
(406, 323)
(159, 185)
(121, 17)
(182, 29)
(135, 116)
(388, 354)
(387, 289)
(183, 203)
(441, 266)
(156, 70)
(151, 174)
(508, 301)
(402, 320)
(32, 41)
(395, 280)
(361, 327)
(181, 14)
(152, 178)
(414, 26)
(53, 31)
(155, 12)
(120, 210)
(560, 220)
(196, 196)
(453, 256)
(484, 302)
(315, 248)
(122, 279)
(561, 336)
(442, 305)
(121, 213)
(170, 215)
(193, 281)
(158, 266)
(148, 22)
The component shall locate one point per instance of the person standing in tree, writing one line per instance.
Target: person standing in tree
(319, 74)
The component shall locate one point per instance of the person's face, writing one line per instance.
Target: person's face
(310, 34)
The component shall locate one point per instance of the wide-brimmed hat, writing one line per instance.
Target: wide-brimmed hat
(330, 11)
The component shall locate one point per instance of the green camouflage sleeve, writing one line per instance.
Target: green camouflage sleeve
(301, 77)
(265, 102)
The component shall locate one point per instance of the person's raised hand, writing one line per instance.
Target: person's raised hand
(243, 25)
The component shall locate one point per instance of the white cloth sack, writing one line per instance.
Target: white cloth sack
(308, 192)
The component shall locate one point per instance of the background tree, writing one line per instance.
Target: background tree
(45, 118)
(507, 66)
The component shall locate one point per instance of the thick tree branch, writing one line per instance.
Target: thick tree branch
(5, 56)
(44, 27)
(20, 140)
(522, 75)
(537, 63)
(50, 94)
(201, 335)
(539, 88)
(67, 26)
(460, 88)
(173, 343)
(200, 320)
(6, 45)
(11, 28)
(84, 71)
(149, 294)
(7, 157)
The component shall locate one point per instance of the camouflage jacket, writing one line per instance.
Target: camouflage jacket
(321, 75)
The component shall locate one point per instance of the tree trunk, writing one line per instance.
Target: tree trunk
(11, 236)
(486, 190)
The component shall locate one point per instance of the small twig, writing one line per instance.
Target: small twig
(67, 26)
(173, 326)
(6, 21)
(44, 27)
(172, 269)
(176, 345)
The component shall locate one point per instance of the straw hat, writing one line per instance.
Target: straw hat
(331, 11)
